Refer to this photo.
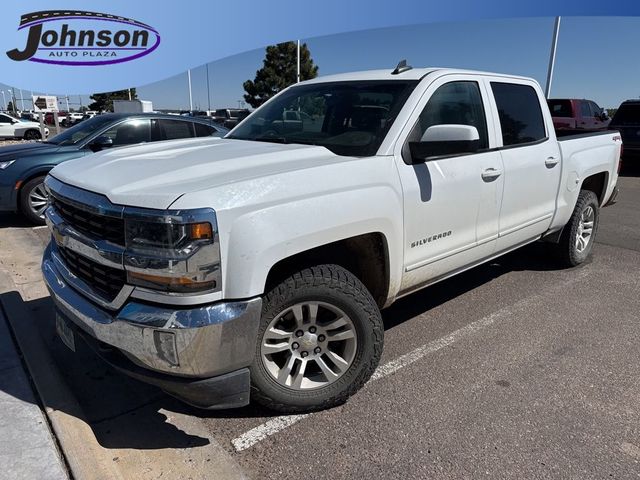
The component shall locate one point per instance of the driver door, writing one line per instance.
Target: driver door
(451, 203)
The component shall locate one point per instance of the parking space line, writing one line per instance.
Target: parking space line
(277, 424)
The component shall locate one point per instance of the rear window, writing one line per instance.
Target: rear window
(520, 114)
(174, 129)
(627, 115)
(560, 108)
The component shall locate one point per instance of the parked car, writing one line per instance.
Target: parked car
(14, 128)
(229, 117)
(71, 119)
(49, 120)
(627, 121)
(284, 245)
(577, 114)
(23, 167)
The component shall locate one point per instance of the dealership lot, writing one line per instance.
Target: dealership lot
(513, 369)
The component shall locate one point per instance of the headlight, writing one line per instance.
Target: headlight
(175, 253)
(5, 164)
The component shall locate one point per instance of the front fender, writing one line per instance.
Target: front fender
(252, 243)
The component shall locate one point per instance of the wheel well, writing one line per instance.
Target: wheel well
(597, 184)
(364, 255)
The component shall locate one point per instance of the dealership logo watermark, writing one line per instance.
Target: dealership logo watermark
(70, 37)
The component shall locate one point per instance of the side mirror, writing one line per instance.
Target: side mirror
(100, 143)
(441, 140)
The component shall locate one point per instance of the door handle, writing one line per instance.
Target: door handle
(551, 162)
(490, 174)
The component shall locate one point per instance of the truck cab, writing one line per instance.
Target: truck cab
(577, 114)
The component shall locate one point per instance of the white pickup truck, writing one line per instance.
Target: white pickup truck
(255, 266)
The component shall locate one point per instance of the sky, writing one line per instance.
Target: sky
(596, 59)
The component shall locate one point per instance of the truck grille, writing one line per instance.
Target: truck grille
(96, 226)
(106, 280)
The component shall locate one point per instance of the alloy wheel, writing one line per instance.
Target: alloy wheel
(309, 345)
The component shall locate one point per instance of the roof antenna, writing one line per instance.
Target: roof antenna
(401, 67)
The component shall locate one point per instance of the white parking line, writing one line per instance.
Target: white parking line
(277, 424)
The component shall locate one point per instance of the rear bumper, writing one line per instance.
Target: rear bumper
(198, 354)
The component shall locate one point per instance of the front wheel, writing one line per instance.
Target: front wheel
(319, 341)
(32, 135)
(578, 235)
(34, 200)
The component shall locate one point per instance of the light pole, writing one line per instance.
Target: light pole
(4, 100)
(13, 100)
(208, 92)
(552, 57)
(298, 55)
(21, 100)
(190, 96)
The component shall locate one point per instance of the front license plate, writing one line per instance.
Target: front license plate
(65, 333)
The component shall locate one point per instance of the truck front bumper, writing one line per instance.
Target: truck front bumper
(198, 354)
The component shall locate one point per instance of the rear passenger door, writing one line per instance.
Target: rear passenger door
(531, 160)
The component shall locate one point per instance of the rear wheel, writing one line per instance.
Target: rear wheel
(34, 200)
(578, 235)
(32, 135)
(319, 341)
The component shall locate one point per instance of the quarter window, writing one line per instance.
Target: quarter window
(204, 130)
(520, 114)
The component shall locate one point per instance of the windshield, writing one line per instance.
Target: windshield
(348, 118)
(628, 114)
(81, 131)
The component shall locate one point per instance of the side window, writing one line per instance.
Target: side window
(173, 129)
(595, 109)
(5, 119)
(204, 130)
(457, 103)
(585, 109)
(130, 132)
(520, 114)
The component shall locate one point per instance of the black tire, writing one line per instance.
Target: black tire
(32, 135)
(33, 186)
(568, 252)
(333, 285)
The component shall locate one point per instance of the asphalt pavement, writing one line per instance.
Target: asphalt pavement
(515, 369)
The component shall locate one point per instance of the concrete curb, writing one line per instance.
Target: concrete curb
(83, 455)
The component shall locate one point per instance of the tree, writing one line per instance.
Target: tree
(104, 101)
(278, 72)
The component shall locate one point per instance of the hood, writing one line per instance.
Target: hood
(155, 175)
(31, 148)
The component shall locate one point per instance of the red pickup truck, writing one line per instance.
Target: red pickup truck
(577, 114)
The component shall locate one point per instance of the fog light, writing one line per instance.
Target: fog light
(165, 343)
